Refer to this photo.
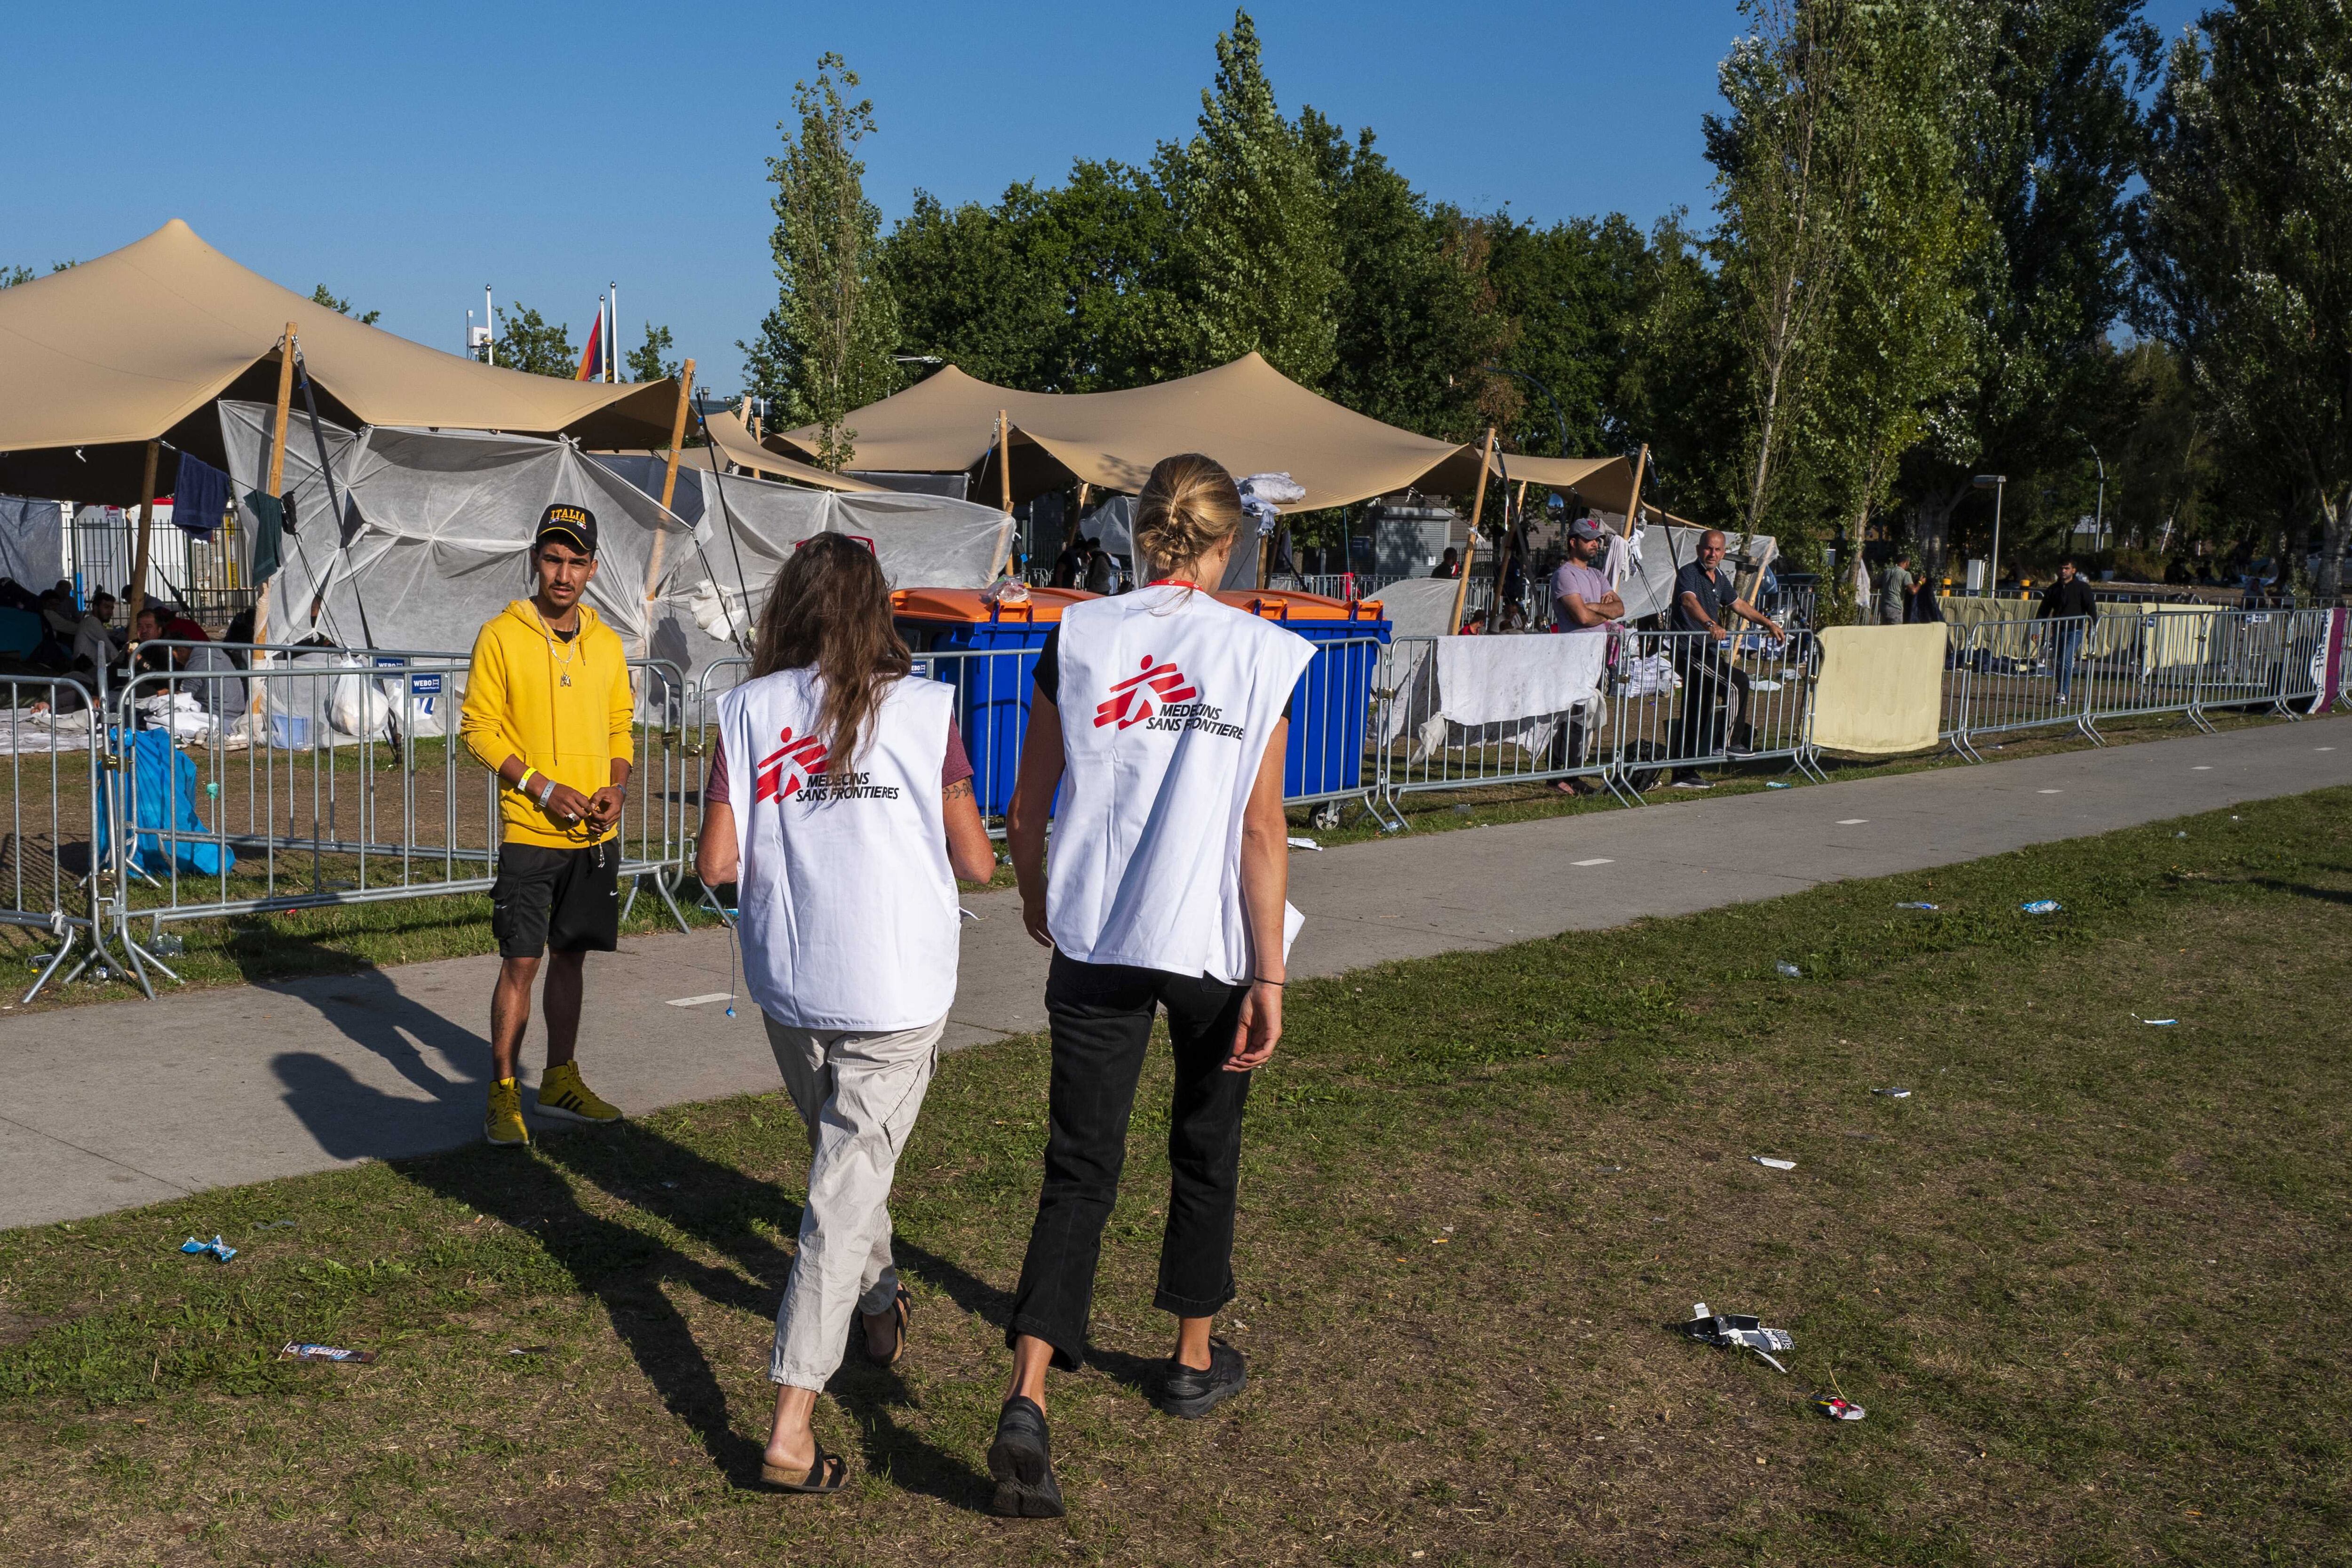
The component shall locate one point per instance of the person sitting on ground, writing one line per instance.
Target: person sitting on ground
(1474, 624)
(1515, 617)
(1894, 590)
(54, 650)
(1448, 564)
(57, 610)
(181, 627)
(847, 901)
(1583, 605)
(95, 646)
(1703, 603)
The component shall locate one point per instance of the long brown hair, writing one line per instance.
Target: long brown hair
(831, 608)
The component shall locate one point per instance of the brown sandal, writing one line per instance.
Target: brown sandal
(902, 1307)
(826, 1475)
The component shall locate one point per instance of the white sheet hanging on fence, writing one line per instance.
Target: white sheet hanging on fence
(1499, 690)
(32, 541)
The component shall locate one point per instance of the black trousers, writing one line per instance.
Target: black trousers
(1711, 685)
(1101, 1016)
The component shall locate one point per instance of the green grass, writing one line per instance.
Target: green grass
(2084, 1280)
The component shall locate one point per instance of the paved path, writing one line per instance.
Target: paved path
(130, 1102)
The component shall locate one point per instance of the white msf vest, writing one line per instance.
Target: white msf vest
(845, 900)
(1167, 699)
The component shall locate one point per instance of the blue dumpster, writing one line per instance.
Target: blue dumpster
(1331, 707)
(993, 667)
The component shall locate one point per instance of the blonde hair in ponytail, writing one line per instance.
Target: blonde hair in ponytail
(1187, 508)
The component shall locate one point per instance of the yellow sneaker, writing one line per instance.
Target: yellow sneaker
(504, 1123)
(561, 1093)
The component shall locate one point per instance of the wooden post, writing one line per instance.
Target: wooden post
(669, 493)
(1470, 546)
(255, 700)
(1004, 460)
(146, 523)
(1634, 501)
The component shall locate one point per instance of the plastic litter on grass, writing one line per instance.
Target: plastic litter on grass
(1305, 844)
(1788, 971)
(1893, 1094)
(220, 1250)
(1778, 783)
(2154, 1022)
(1929, 908)
(1769, 1163)
(1736, 1330)
(1840, 1409)
(2042, 907)
(294, 1351)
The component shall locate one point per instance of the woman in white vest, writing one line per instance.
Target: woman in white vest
(840, 804)
(1160, 716)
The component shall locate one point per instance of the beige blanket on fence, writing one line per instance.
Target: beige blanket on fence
(1881, 690)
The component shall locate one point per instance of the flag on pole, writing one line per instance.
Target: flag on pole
(591, 358)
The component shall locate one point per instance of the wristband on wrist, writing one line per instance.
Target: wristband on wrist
(522, 784)
(1278, 985)
(548, 791)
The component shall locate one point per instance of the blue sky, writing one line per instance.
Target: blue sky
(405, 155)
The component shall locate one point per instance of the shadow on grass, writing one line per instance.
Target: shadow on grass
(627, 1268)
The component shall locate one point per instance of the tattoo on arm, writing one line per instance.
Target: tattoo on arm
(960, 790)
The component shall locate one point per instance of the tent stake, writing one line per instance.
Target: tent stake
(1470, 545)
(669, 490)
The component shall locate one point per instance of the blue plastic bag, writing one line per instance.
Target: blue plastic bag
(165, 792)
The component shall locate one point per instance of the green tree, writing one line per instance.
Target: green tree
(1788, 177)
(1415, 314)
(2049, 156)
(826, 347)
(2248, 189)
(1256, 262)
(320, 296)
(528, 342)
(12, 276)
(1903, 328)
(647, 362)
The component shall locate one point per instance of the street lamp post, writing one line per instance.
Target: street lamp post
(1996, 483)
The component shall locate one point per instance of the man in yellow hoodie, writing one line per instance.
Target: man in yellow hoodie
(548, 708)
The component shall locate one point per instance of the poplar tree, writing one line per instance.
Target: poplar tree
(825, 348)
(1256, 259)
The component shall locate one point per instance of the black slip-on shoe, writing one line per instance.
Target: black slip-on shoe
(1022, 1460)
(1189, 1392)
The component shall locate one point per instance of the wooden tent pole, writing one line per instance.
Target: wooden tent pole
(1634, 501)
(276, 486)
(1470, 545)
(669, 493)
(146, 524)
(1004, 460)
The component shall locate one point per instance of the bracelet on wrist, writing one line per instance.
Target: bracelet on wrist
(1278, 985)
(545, 793)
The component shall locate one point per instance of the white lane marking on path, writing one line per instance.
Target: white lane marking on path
(2050, 792)
(1852, 821)
(697, 1001)
(2202, 768)
(1592, 862)
(2322, 748)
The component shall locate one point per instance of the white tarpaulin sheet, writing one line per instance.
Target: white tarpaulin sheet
(437, 533)
(751, 528)
(1658, 553)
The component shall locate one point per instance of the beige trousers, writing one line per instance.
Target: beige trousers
(857, 1093)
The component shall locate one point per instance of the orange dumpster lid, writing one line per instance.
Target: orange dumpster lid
(1284, 606)
(972, 606)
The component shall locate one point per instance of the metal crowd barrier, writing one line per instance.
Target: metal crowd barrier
(239, 780)
(2186, 659)
(56, 874)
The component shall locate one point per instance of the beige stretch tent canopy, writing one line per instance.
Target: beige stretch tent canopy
(1246, 415)
(140, 343)
(732, 439)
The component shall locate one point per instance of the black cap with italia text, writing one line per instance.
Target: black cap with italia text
(567, 524)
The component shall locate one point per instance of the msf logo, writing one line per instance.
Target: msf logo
(1131, 699)
(783, 771)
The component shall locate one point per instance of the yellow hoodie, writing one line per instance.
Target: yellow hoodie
(518, 706)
